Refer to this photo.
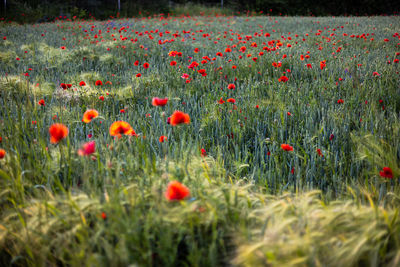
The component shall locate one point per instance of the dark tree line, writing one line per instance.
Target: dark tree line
(42, 9)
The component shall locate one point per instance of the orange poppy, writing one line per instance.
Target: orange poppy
(179, 117)
(89, 115)
(176, 191)
(119, 128)
(2, 153)
(57, 132)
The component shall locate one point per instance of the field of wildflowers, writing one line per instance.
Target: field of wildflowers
(200, 141)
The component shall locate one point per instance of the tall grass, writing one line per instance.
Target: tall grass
(223, 223)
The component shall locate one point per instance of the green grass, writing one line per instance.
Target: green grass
(251, 203)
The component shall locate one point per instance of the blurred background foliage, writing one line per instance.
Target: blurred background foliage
(49, 10)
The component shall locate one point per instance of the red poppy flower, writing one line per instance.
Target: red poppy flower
(231, 86)
(277, 64)
(57, 132)
(82, 83)
(196, 50)
(146, 65)
(386, 173)
(231, 100)
(319, 152)
(2, 153)
(322, 64)
(203, 152)
(87, 149)
(202, 72)
(162, 138)
(98, 83)
(283, 79)
(159, 101)
(101, 98)
(287, 147)
(41, 102)
(220, 101)
(89, 115)
(69, 85)
(103, 215)
(176, 191)
(179, 117)
(136, 63)
(63, 86)
(340, 101)
(172, 63)
(119, 128)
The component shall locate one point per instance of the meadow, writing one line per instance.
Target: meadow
(206, 140)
